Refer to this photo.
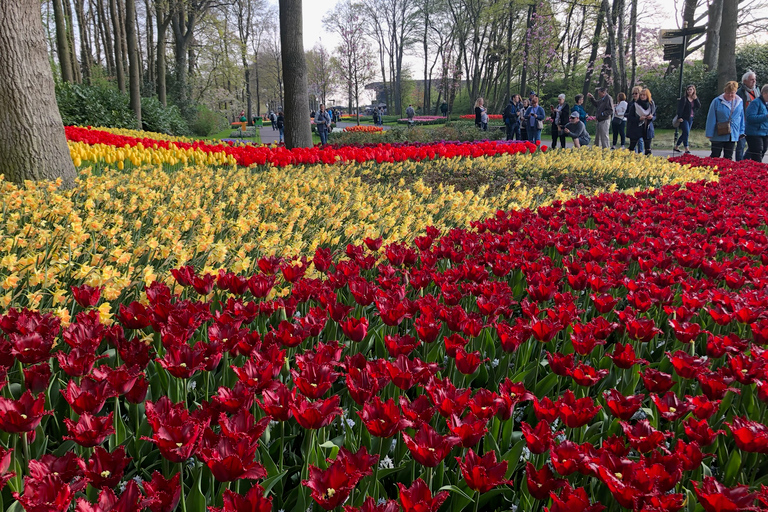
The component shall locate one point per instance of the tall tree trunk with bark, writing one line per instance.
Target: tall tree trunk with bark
(163, 20)
(106, 32)
(726, 58)
(593, 55)
(134, 70)
(298, 132)
(76, 75)
(151, 67)
(119, 69)
(62, 42)
(620, 54)
(85, 46)
(712, 44)
(526, 51)
(633, 37)
(32, 141)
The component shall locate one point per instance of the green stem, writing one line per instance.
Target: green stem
(282, 444)
(183, 494)
(477, 500)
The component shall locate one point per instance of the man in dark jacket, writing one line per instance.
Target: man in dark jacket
(604, 106)
(748, 92)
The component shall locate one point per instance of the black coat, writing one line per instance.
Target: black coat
(478, 113)
(636, 130)
(564, 113)
(684, 108)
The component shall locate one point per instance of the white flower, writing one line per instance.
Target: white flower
(192, 385)
(494, 363)
(350, 422)
(392, 446)
(386, 463)
(526, 453)
(381, 501)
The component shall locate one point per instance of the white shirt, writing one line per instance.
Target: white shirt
(620, 110)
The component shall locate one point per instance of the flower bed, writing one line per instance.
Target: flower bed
(603, 350)
(492, 117)
(423, 120)
(364, 128)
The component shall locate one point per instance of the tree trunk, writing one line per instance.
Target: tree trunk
(162, 28)
(32, 141)
(123, 39)
(726, 58)
(62, 43)
(593, 55)
(526, 51)
(85, 46)
(71, 42)
(95, 29)
(151, 68)
(298, 132)
(609, 61)
(620, 54)
(119, 70)
(133, 59)
(633, 37)
(712, 44)
(107, 34)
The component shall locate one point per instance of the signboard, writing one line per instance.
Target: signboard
(674, 39)
(670, 36)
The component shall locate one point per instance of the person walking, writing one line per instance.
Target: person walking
(281, 125)
(640, 120)
(512, 117)
(756, 127)
(323, 124)
(619, 122)
(557, 114)
(725, 122)
(534, 123)
(409, 113)
(748, 92)
(576, 130)
(444, 109)
(273, 120)
(375, 117)
(478, 112)
(604, 105)
(686, 109)
(578, 107)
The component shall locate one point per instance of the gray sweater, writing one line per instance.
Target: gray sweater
(577, 130)
(604, 107)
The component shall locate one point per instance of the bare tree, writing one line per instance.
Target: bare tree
(32, 142)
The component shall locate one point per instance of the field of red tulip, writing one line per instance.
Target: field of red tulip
(606, 353)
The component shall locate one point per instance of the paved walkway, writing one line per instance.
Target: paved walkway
(268, 135)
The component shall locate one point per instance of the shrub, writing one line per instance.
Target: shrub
(156, 118)
(207, 122)
(99, 105)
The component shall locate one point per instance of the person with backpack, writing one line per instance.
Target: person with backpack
(280, 125)
(534, 120)
(748, 92)
(375, 117)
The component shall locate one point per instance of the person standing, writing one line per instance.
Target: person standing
(534, 120)
(619, 122)
(375, 117)
(409, 113)
(756, 127)
(444, 109)
(281, 125)
(512, 117)
(323, 124)
(478, 112)
(578, 107)
(381, 116)
(640, 121)
(604, 105)
(748, 92)
(273, 120)
(725, 122)
(577, 131)
(686, 109)
(558, 113)
(523, 120)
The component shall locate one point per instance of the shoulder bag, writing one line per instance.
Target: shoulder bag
(725, 127)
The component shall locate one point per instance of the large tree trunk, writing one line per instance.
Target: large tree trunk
(162, 28)
(633, 37)
(593, 56)
(62, 42)
(298, 133)
(85, 45)
(726, 58)
(32, 142)
(107, 34)
(712, 44)
(71, 42)
(133, 59)
(527, 50)
(150, 47)
(119, 70)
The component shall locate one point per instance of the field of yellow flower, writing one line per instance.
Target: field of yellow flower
(122, 229)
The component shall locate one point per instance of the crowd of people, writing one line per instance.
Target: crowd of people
(737, 121)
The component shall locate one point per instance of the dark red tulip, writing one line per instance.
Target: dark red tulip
(573, 500)
(470, 429)
(560, 364)
(371, 505)
(541, 482)
(331, 487)
(656, 381)
(715, 497)
(749, 435)
(566, 457)
(382, 419)
(37, 377)
(138, 391)
(623, 407)
(643, 437)
(230, 458)
(105, 469)
(47, 494)
(623, 356)
(417, 412)
(5, 463)
(485, 404)
(448, 398)
(670, 407)
(545, 330)
(587, 376)
(700, 431)
(176, 432)
(482, 473)
(90, 396)
(314, 415)
(467, 363)
(253, 501)
(642, 329)
(545, 409)
(130, 500)
(164, 494)
(70, 468)
(714, 385)
(86, 296)
(538, 438)
(77, 362)
(418, 497)
(259, 370)
(133, 316)
(576, 413)
(702, 407)
(90, 431)
(355, 328)
(314, 380)
(22, 415)
(687, 366)
(429, 448)
(397, 344)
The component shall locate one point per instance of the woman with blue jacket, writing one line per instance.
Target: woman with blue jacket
(726, 108)
(533, 116)
(757, 126)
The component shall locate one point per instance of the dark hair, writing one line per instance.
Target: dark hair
(579, 97)
(621, 97)
(280, 113)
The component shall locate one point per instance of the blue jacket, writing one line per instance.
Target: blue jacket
(540, 115)
(757, 118)
(582, 113)
(322, 121)
(719, 112)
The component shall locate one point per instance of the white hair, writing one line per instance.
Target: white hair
(561, 96)
(746, 76)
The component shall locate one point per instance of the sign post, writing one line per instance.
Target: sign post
(675, 47)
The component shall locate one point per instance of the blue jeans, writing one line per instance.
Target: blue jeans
(282, 132)
(740, 149)
(686, 127)
(323, 136)
(534, 135)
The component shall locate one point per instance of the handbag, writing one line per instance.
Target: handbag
(539, 125)
(724, 128)
(676, 122)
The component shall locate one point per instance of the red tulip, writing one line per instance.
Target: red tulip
(330, 487)
(105, 469)
(355, 328)
(623, 407)
(623, 356)
(587, 376)
(418, 497)
(699, 431)
(656, 381)
(417, 412)
(469, 429)
(670, 407)
(90, 396)
(382, 419)
(253, 501)
(22, 415)
(230, 458)
(538, 438)
(130, 500)
(314, 380)
(5, 463)
(566, 457)
(572, 500)
(643, 437)
(314, 415)
(429, 448)
(163, 493)
(37, 377)
(90, 431)
(576, 413)
(482, 473)
(133, 316)
(715, 497)
(86, 296)
(541, 482)
(749, 435)
(371, 505)
(70, 468)
(176, 432)
(48, 494)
